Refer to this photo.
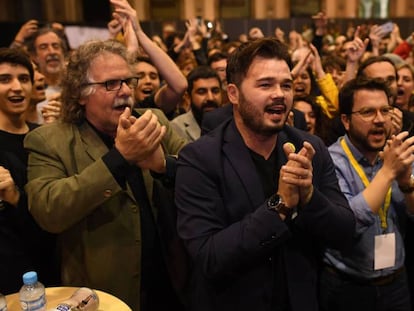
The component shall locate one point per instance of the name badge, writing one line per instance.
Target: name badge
(384, 251)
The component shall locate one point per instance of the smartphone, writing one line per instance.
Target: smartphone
(387, 28)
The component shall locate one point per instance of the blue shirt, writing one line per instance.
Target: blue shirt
(359, 261)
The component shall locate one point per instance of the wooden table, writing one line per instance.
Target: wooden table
(55, 295)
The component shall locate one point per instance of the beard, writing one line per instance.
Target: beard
(198, 112)
(362, 141)
(253, 118)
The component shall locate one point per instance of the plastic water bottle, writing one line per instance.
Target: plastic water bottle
(83, 299)
(3, 303)
(32, 294)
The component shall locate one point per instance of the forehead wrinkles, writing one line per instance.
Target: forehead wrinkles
(109, 66)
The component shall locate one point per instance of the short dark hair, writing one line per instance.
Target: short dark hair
(201, 72)
(215, 57)
(240, 60)
(17, 56)
(372, 60)
(347, 92)
(31, 48)
(334, 62)
(139, 58)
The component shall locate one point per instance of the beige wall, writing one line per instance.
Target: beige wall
(270, 9)
(204, 8)
(402, 8)
(340, 8)
(142, 8)
(64, 10)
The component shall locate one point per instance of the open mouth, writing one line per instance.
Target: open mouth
(147, 91)
(121, 107)
(379, 133)
(40, 87)
(280, 109)
(299, 90)
(16, 99)
(400, 92)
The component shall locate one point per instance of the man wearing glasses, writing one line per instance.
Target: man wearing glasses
(374, 170)
(93, 175)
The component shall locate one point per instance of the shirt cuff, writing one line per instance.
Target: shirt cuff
(168, 178)
(117, 165)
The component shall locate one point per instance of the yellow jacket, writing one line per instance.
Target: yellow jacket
(328, 101)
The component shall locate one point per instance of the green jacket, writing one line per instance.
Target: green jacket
(72, 192)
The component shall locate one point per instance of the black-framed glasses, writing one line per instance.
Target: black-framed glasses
(369, 114)
(116, 84)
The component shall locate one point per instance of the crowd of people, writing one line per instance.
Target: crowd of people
(190, 171)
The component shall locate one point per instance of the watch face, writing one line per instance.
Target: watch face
(273, 201)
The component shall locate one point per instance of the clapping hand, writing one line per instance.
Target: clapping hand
(8, 190)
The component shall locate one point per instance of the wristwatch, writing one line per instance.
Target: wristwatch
(275, 203)
(408, 188)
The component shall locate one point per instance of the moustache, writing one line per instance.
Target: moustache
(52, 58)
(277, 102)
(210, 104)
(123, 102)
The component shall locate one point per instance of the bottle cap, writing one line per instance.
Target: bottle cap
(30, 277)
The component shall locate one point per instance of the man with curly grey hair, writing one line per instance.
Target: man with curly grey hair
(93, 175)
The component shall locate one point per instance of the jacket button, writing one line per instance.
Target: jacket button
(107, 193)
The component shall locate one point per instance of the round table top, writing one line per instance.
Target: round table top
(55, 295)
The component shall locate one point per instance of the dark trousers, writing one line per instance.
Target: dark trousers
(340, 293)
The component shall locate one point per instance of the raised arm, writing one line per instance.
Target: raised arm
(354, 52)
(27, 29)
(170, 94)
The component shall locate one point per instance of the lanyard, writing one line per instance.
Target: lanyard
(382, 212)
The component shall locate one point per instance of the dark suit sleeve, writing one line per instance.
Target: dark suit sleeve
(220, 243)
(226, 234)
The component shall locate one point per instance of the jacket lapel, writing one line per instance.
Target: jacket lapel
(93, 144)
(239, 157)
(191, 126)
(95, 149)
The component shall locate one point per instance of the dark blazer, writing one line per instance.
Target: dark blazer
(214, 118)
(231, 235)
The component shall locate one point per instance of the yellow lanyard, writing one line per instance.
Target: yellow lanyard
(382, 212)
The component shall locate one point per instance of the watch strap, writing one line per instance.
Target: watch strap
(275, 203)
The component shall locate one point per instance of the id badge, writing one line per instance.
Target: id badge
(384, 251)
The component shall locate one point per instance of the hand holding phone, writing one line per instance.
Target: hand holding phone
(386, 28)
